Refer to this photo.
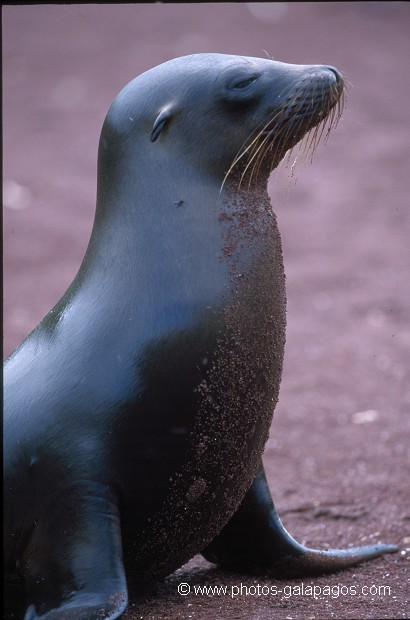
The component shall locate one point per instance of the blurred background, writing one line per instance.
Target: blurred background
(338, 456)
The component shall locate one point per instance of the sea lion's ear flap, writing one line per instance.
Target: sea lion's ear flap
(160, 122)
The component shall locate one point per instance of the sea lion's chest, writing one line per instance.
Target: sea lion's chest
(221, 378)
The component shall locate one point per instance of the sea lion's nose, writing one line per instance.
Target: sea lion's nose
(336, 72)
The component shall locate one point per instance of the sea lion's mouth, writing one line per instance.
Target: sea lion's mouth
(304, 110)
(307, 114)
(305, 119)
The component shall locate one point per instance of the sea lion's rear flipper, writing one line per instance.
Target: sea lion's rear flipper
(73, 564)
(254, 540)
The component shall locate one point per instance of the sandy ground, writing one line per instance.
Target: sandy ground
(338, 454)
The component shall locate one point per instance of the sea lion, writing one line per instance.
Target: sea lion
(137, 411)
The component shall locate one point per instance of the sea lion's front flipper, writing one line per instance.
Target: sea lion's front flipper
(254, 540)
(73, 564)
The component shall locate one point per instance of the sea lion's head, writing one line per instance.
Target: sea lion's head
(217, 114)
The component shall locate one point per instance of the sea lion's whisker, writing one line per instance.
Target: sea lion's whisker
(259, 129)
(286, 124)
(249, 146)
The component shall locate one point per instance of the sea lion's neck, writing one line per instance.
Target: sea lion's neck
(181, 217)
(176, 240)
(148, 227)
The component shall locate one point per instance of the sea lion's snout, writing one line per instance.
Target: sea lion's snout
(299, 102)
(337, 74)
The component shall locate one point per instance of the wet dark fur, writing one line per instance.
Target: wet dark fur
(136, 413)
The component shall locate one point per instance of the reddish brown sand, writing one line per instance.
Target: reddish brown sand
(338, 455)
